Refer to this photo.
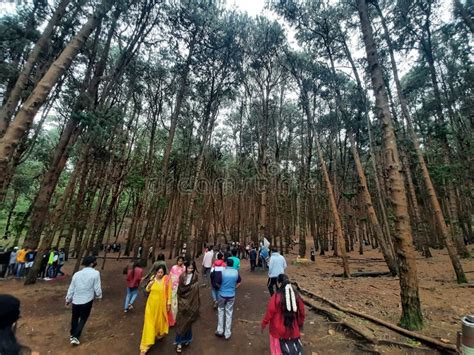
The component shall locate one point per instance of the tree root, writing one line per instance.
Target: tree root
(420, 337)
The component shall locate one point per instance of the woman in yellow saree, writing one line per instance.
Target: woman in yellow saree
(156, 312)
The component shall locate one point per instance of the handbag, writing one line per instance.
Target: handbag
(291, 347)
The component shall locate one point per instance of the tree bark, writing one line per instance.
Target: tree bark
(389, 258)
(411, 309)
(10, 105)
(433, 198)
(23, 120)
(335, 213)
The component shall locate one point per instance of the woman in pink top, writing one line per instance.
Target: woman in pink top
(134, 277)
(175, 273)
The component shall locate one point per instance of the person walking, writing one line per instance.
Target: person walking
(207, 265)
(188, 306)
(175, 273)
(4, 260)
(157, 309)
(44, 264)
(134, 277)
(236, 259)
(285, 315)
(20, 262)
(84, 287)
(160, 260)
(12, 262)
(263, 256)
(52, 264)
(227, 281)
(276, 266)
(218, 266)
(253, 258)
(29, 260)
(61, 260)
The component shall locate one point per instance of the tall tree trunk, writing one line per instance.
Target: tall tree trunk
(412, 317)
(161, 191)
(10, 105)
(24, 118)
(10, 213)
(48, 185)
(433, 198)
(335, 213)
(416, 208)
(367, 199)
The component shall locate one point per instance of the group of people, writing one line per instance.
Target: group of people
(111, 248)
(17, 262)
(173, 298)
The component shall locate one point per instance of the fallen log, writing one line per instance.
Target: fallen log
(362, 331)
(366, 274)
(109, 257)
(420, 337)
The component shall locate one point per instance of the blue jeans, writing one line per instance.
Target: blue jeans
(132, 294)
(184, 339)
(19, 269)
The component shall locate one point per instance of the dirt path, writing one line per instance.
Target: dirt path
(44, 325)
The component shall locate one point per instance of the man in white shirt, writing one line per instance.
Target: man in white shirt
(207, 264)
(84, 287)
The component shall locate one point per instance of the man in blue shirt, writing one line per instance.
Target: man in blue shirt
(263, 256)
(227, 281)
(276, 266)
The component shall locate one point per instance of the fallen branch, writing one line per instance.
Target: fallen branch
(248, 321)
(466, 285)
(366, 274)
(420, 337)
(364, 333)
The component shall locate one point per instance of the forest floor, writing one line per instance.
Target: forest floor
(443, 301)
(44, 323)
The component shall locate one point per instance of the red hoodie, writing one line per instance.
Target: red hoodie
(275, 318)
(219, 262)
(134, 277)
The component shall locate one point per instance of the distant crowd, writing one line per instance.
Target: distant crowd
(17, 262)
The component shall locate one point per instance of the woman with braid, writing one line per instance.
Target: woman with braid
(285, 315)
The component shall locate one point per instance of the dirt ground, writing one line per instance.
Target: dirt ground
(443, 301)
(44, 323)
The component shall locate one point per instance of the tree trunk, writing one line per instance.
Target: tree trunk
(48, 185)
(10, 105)
(24, 118)
(335, 213)
(389, 258)
(412, 317)
(433, 198)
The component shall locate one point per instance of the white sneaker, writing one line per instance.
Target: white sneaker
(75, 341)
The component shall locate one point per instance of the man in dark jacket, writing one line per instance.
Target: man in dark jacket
(4, 260)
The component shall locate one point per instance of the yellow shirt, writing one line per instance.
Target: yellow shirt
(20, 256)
